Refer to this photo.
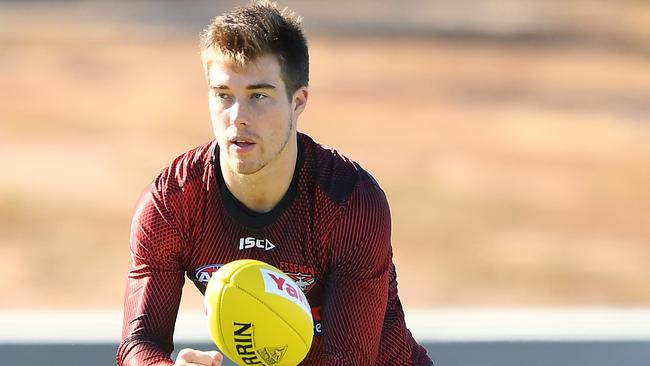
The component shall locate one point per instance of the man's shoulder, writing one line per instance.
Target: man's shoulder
(191, 166)
(337, 175)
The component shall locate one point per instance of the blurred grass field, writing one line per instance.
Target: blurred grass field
(517, 172)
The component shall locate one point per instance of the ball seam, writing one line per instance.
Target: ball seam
(278, 315)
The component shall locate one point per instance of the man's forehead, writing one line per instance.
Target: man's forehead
(223, 69)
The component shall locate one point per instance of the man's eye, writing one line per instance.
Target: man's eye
(258, 96)
(222, 96)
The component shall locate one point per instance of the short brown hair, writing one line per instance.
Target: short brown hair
(247, 33)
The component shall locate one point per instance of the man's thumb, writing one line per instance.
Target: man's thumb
(217, 358)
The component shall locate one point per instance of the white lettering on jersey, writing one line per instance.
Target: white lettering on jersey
(250, 242)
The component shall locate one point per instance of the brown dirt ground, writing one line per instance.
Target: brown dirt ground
(517, 174)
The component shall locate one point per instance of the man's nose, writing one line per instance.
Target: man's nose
(239, 113)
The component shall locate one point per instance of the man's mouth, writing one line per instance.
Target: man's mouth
(241, 141)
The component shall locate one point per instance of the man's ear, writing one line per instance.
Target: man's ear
(299, 101)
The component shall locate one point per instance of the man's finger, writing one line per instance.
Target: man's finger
(192, 357)
(217, 358)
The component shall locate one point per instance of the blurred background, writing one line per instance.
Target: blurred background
(511, 137)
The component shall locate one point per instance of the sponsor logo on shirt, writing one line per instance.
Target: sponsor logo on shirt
(204, 273)
(250, 242)
(244, 336)
(301, 274)
(281, 285)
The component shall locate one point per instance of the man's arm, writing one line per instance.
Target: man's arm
(357, 289)
(154, 285)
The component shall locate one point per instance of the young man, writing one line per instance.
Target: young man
(318, 216)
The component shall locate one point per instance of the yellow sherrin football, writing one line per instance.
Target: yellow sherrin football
(258, 315)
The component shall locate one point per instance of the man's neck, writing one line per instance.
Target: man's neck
(264, 189)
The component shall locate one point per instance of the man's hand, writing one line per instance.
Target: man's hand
(192, 357)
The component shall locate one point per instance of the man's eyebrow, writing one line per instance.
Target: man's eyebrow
(260, 86)
(249, 87)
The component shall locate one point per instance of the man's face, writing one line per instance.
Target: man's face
(252, 118)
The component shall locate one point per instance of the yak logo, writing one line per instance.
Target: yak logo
(281, 285)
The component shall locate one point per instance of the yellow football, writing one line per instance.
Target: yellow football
(258, 315)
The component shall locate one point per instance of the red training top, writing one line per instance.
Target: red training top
(330, 233)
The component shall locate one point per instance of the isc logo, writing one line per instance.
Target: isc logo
(250, 242)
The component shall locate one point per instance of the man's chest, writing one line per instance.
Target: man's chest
(294, 248)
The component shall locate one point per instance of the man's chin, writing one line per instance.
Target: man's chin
(245, 167)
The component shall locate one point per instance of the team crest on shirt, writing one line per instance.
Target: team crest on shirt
(302, 275)
(204, 273)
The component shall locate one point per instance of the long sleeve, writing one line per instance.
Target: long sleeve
(356, 299)
(154, 285)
